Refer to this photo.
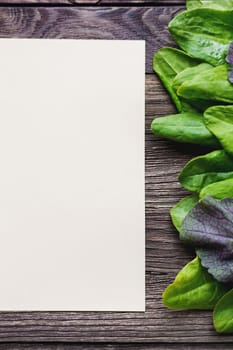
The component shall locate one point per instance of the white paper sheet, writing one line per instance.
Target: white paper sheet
(72, 231)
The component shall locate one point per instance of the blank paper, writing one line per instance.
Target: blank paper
(72, 227)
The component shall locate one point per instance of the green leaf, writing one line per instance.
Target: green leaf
(167, 62)
(185, 127)
(214, 4)
(189, 73)
(219, 120)
(204, 33)
(181, 209)
(193, 288)
(223, 314)
(211, 85)
(204, 170)
(218, 190)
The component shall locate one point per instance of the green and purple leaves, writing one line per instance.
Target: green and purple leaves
(209, 228)
(199, 78)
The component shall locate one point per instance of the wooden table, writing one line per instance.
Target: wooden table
(158, 328)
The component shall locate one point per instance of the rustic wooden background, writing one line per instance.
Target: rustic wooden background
(158, 328)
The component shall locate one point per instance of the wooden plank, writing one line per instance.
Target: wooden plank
(144, 23)
(151, 2)
(165, 255)
(49, 2)
(87, 346)
(38, 2)
(99, 2)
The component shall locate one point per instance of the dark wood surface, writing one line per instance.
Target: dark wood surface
(146, 23)
(95, 2)
(157, 328)
(155, 346)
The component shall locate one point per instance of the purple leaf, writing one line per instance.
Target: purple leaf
(229, 58)
(209, 227)
(230, 75)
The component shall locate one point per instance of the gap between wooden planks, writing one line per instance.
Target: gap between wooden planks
(86, 346)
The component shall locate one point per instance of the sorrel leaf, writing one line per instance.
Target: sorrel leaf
(204, 170)
(204, 33)
(167, 62)
(218, 190)
(186, 127)
(223, 314)
(219, 120)
(211, 85)
(181, 209)
(214, 4)
(193, 288)
(209, 228)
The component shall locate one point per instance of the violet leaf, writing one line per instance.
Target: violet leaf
(229, 57)
(209, 227)
(230, 75)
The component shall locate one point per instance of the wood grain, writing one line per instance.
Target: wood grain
(87, 346)
(165, 255)
(98, 2)
(49, 2)
(151, 2)
(144, 23)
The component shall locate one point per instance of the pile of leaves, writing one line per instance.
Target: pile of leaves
(199, 79)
